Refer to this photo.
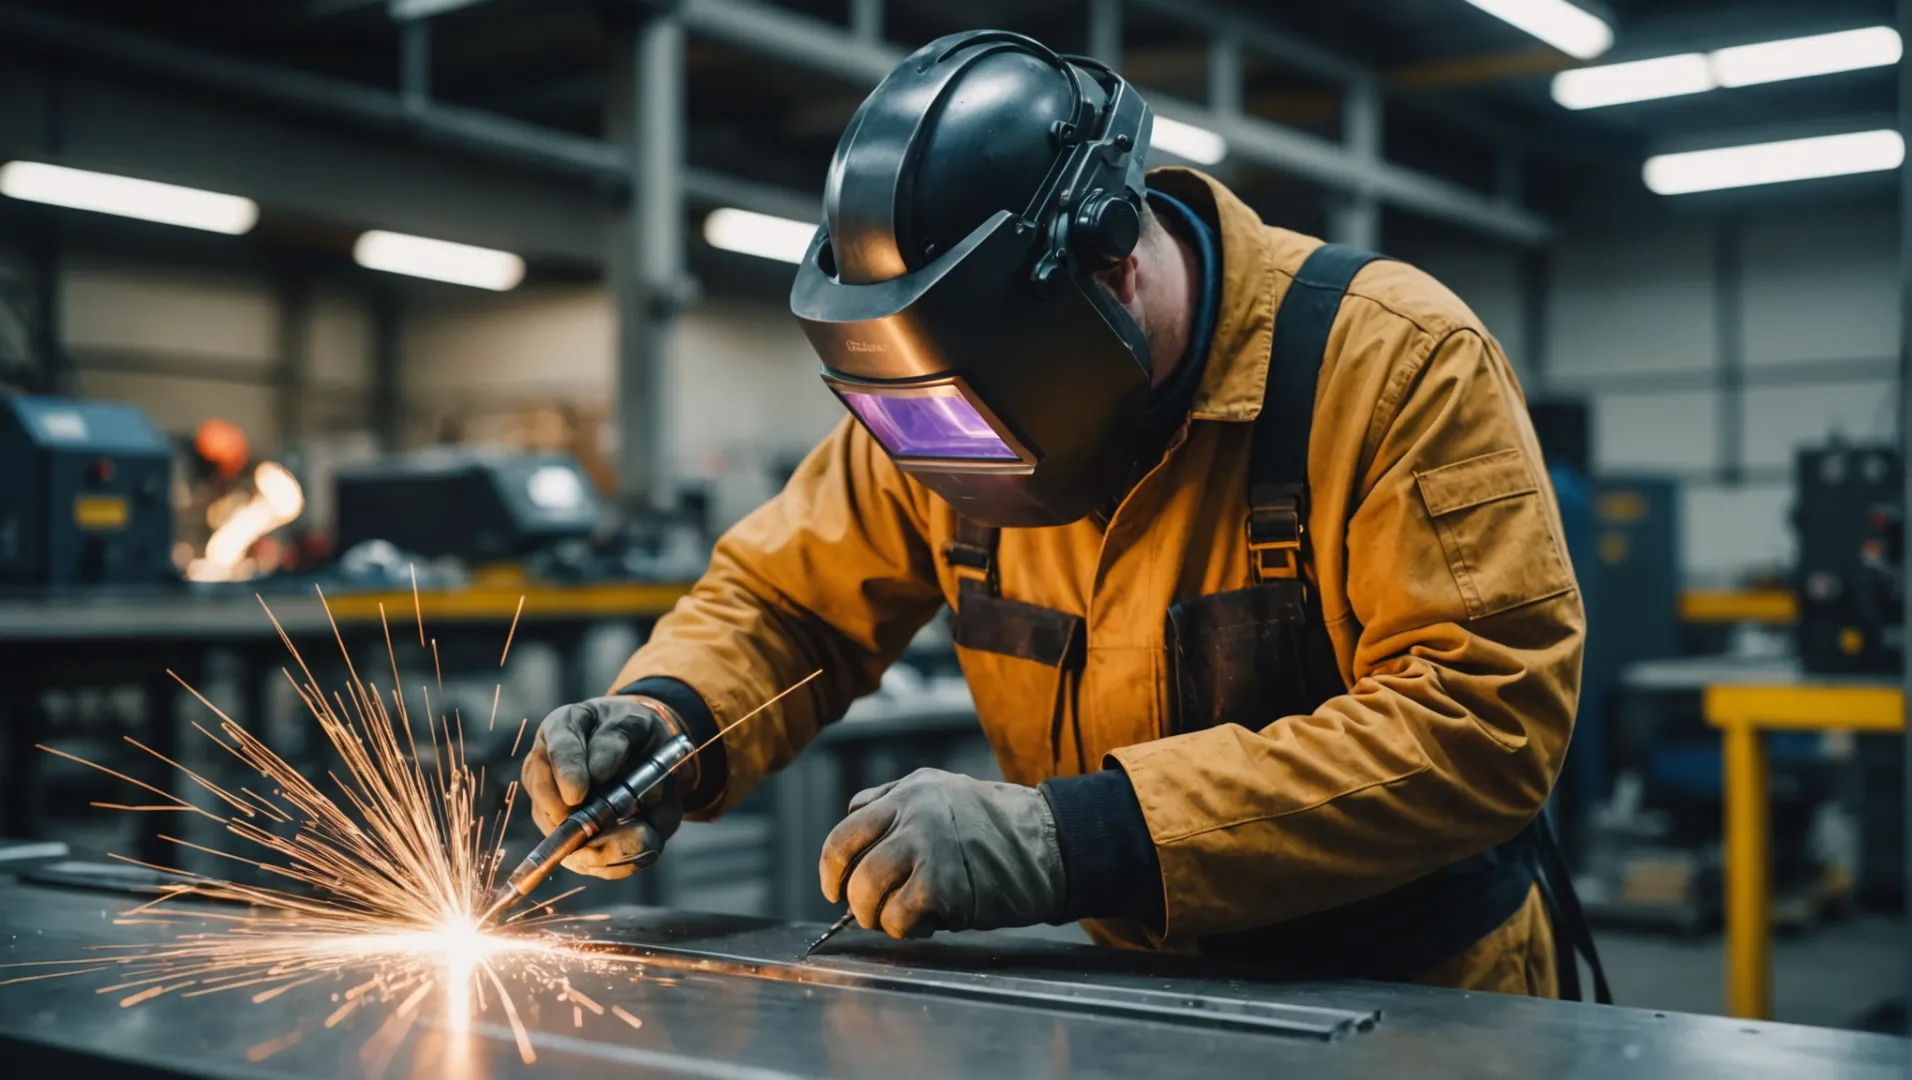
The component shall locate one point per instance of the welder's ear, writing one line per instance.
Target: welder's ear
(1122, 280)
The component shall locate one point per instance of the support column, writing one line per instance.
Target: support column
(1536, 296)
(1729, 329)
(1224, 75)
(1510, 176)
(1105, 32)
(49, 301)
(1749, 885)
(295, 320)
(1356, 217)
(648, 277)
(48, 264)
(866, 21)
(415, 64)
(388, 321)
(1905, 402)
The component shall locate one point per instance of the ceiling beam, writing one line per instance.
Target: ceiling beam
(470, 131)
(1258, 37)
(1477, 70)
(781, 34)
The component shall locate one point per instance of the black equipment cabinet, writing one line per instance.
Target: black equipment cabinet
(1850, 579)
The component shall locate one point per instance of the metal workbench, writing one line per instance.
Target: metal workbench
(90, 637)
(730, 1005)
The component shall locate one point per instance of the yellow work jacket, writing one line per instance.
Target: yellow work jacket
(1435, 545)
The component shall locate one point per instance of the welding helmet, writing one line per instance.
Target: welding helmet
(948, 291)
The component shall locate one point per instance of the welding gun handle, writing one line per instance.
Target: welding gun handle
(625, 798)
(609, 808)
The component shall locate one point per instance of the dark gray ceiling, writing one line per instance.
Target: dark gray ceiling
(1465, 88)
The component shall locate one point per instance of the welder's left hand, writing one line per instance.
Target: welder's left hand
(942, 851)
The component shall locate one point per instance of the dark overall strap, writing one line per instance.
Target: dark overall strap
(1278, 462)
(987, 622)
(1571, 934)
(1277, 519)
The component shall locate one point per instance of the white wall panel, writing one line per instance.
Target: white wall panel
(1632, 304)
(1655, 432)
(744, 375)
(1728, 532)
(161, 310)
(559, 342)
(177, 405)
(742, 382)
(338, 340)
(1823, 287)
(1781, 419)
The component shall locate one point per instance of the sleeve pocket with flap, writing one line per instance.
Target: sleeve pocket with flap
(1495, 532)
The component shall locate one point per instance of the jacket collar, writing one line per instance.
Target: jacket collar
(1237, 374)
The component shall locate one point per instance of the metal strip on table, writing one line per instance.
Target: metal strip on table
(1185, 1009)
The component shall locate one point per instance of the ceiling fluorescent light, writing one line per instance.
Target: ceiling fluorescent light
(1775, 162)
(1186, 141)
(1641, 80)
(1573, 30)
(1799, 58)
(1742, 65)
(762, 235)
(439, 260)
(146, 200)
(407, 10)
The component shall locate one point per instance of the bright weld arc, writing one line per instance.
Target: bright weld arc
(397, 860)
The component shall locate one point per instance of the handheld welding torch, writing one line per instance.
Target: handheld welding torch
(615, 805)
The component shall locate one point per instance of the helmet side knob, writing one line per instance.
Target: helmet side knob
(1107, 227)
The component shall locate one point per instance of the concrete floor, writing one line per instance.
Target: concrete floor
(1830, 976)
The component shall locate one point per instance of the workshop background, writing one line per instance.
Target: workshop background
(281, 377)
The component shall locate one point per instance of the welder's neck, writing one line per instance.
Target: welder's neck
(1172, 295)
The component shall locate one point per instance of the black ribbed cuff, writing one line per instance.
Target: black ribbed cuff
(713, 768)
(1107, 853)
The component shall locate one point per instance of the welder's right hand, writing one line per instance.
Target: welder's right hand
(582, 747)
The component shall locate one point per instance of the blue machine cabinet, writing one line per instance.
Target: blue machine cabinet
(85, 492)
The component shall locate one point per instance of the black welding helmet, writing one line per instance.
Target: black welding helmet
(949, 290)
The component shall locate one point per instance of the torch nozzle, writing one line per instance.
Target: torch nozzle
(500, 901)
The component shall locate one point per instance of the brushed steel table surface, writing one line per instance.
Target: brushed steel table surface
(721, 1000)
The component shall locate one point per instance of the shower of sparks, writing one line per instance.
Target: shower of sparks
(387, 869)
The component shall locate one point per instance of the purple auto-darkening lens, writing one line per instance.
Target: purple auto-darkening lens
(938, 422)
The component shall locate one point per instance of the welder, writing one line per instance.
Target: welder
(1257, 577)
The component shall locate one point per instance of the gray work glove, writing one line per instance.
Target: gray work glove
(580, 748)
(942, 851)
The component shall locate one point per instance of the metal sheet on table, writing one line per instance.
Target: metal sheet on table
(1188, 1008)
(729, 1026)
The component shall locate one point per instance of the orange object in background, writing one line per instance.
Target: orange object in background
(224, 446)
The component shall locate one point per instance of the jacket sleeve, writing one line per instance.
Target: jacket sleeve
(1463, 679)
(834, 575)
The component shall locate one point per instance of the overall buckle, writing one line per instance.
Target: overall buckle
(970, 562)
(1276, 522)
